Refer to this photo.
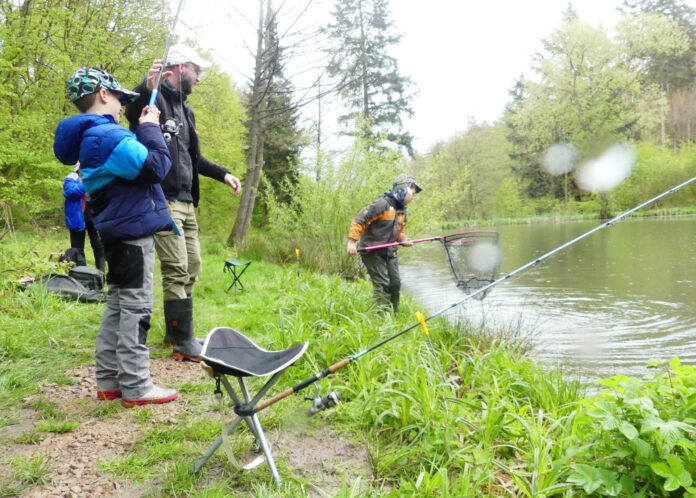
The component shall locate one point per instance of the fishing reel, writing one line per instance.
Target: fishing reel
(170, 128)
(320, 403)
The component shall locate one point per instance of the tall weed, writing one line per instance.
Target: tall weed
(318, 218)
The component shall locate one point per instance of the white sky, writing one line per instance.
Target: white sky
(463, 55)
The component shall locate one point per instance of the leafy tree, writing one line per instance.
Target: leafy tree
(464, 174)
(683, 116)
(283, 138)
(220, 122)
(370, 85)
(675, 70)
(41, 43)
(590, 91)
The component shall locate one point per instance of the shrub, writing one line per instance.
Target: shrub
(640, 435)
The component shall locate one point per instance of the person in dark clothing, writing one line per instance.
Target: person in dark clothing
(383, 222)
(121, 171)
(179, 255)
(78, 219)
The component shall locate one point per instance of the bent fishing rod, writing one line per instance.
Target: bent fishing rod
(421, 321)
(155, 90)
(427, 239)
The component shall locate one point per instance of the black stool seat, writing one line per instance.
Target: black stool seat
(229, 352)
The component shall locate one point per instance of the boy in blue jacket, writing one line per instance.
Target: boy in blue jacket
(121, 171)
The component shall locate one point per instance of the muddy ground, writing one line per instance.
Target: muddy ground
(319, 455)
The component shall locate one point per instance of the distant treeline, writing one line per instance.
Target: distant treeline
(590, 90)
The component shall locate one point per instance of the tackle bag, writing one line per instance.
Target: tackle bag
(90, 278)
(67, 287)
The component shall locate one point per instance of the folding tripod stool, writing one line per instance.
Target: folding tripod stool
(232, 266)
(228, 352)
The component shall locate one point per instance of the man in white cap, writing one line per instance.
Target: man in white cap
(180, 255)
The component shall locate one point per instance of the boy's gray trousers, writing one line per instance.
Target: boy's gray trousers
(122, 362)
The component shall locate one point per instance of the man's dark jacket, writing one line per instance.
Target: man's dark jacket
(165, 99)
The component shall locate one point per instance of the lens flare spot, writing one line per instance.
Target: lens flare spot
(560, 159)
(484, 257)
(608, 171)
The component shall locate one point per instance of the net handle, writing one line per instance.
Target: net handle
(443, 238)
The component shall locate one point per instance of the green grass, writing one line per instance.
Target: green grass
(24, 474)
(468, 414)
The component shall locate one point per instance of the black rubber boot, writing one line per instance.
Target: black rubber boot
(179, 329)
(170, 315)
(394, 293)
(395, 302)
(168, 341)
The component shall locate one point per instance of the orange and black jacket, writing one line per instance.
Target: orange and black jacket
(382, 222)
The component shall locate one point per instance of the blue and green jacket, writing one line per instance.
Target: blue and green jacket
(121, 172)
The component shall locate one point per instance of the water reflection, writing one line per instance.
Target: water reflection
(606, 305)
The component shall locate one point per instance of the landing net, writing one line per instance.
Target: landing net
(474, 259)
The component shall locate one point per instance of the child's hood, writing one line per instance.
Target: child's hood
(66, 145)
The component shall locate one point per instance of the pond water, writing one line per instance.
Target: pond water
(606, 305)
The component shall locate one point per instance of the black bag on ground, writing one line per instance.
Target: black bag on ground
(90, 278)
(67, 287)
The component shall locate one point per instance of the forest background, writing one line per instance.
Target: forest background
(589, 88)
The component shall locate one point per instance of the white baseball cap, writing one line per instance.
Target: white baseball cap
(181, 54)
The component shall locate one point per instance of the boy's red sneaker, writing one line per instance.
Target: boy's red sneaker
(108, 394)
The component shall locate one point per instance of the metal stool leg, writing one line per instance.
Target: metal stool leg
(230, 429)
(255, 426)
(252, 422)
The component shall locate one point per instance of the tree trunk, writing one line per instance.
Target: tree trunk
(255, 160)
(319, 155)
(363, 68)
(662, 116)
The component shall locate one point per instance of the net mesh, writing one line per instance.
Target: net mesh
(474, 259)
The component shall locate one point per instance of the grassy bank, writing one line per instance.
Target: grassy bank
(464, 415)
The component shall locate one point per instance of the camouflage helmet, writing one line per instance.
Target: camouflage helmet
(406, 179)
(88, 80)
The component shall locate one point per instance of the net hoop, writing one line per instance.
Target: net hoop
(474, 259)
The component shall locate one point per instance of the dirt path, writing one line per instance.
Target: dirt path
(318, 455)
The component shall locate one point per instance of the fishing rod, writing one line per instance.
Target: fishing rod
(155, 90)
(427, 239)
(319, 405)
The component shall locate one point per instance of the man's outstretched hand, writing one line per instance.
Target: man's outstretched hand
(234, 183)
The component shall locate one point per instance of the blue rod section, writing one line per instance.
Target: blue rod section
(155, 91)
